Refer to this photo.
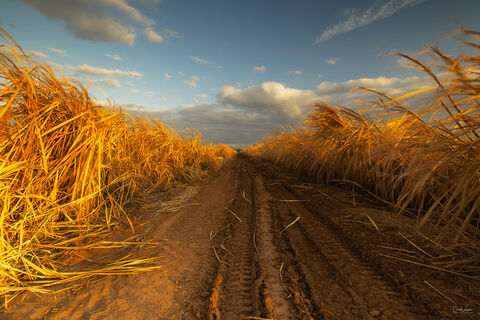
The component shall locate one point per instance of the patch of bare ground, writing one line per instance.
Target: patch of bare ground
(364, 250)
(253, 243)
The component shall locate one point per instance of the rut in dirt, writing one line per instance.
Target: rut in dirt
(239, 290)
(272, 269)
(335, 281)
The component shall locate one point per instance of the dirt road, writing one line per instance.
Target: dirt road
(253, 243)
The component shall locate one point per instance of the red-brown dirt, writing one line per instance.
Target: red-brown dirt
(254, 243)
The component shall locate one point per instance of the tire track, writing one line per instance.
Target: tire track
(294, 276)
(235, 293)
(276, 299)
(247, 284)
(334, 282)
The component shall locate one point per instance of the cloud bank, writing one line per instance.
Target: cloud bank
(275, 97)
(241, 117)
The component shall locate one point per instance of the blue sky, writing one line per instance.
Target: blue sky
(234, 69)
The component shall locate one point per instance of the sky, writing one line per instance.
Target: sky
(235, 70)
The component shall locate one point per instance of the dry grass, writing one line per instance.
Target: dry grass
(67, 168)
(425, 161)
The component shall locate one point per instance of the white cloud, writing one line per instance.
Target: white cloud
(380, 83)
(60, 52)
(180, 74)
(332, 61)
(162, 99)
(271, 96)
(296, 72)
(171, 33)
(190, 83)
(202, 96)
(133, 90)
(111, 83)
(113, 56)
(203, 61)
(37, 54)
(260, 69)
(29, 54)
(199, 60)
(90, 70)
(379, 10)
(195, 78)
(152, 35)
(345, 93)
(167, 76)
(55, 66)
(293, 104)
(149, 94)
